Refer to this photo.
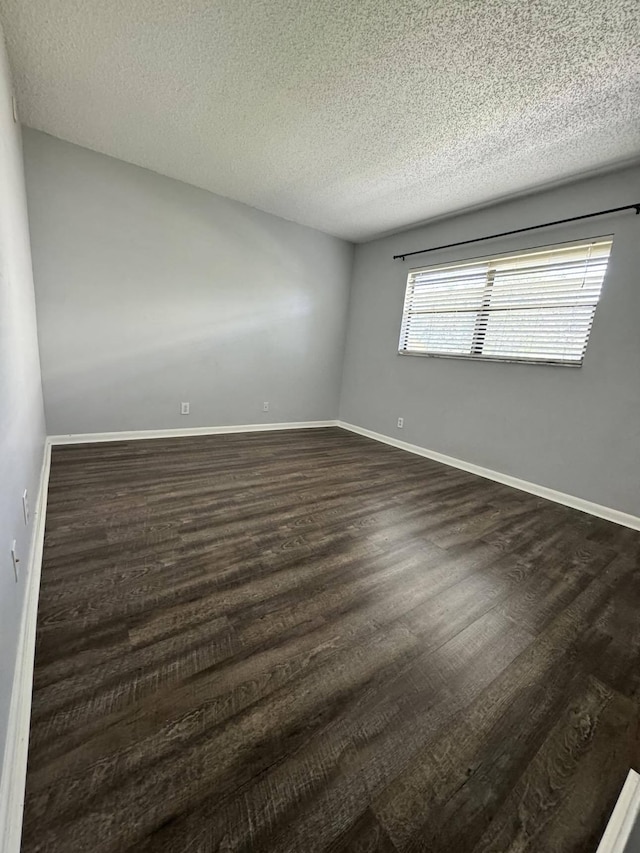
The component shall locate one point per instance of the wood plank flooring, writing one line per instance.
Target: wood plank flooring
(308, 641)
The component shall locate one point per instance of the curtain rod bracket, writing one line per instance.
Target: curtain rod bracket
(635, 207)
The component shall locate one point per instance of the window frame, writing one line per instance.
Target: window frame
(484, 311)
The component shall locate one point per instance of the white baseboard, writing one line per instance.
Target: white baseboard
(617, 516)
(14, 766)
(605, 512)
(622, 818)
(136, 435)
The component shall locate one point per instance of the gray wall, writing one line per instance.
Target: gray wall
(21, 417)
(574, 430)
(151, 292)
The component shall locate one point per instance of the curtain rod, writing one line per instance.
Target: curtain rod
(635, 207)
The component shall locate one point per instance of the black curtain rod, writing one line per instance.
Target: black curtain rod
(635, 207)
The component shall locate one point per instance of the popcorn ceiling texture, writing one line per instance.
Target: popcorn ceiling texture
(352, 116)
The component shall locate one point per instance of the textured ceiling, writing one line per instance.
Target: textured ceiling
(353, 116)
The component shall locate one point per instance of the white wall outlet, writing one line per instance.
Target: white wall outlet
(184, 408)
(400, 423)
(25, 507)
(15, 559)
(265, 407)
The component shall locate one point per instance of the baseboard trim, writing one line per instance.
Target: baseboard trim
(617, 516)
(14, 766)
(143, 434)
(623, 817)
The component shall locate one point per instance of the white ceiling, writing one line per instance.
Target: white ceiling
(353, 116)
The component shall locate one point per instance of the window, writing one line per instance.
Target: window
(536, 306)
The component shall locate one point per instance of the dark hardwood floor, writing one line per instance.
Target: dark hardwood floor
(308, 641)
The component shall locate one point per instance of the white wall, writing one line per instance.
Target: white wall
(573, 430)
(21, 416)
(151, 292)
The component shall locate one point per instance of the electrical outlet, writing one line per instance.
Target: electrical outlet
(400, 423)
(25, 507)
(15, 559)
(184, 408)
(265, 407)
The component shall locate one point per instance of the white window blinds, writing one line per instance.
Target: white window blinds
(536, 306)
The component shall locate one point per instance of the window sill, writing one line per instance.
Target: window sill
(489, 358)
